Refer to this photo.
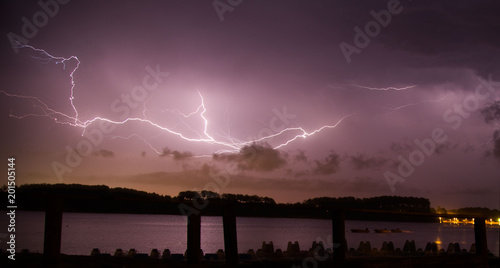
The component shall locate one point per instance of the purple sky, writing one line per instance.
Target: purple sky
(385, 76)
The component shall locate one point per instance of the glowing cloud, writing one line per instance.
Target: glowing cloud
(205, 137)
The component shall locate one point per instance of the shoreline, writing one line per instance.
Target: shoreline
(76, 261)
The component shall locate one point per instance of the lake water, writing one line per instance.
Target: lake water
(84, 231)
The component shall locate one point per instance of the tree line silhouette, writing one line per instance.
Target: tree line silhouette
(103, 199)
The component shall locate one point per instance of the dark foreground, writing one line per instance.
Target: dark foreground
(467, 260)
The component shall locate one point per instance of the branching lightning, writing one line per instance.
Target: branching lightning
(394, 109)
(385, 88)
(73, 119)
(141, 139)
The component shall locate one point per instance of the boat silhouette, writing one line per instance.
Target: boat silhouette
(360, 230)
(381, 231)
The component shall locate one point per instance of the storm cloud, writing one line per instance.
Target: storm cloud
(330, 165)
(362, 161)
(267, 72)
(259, 157)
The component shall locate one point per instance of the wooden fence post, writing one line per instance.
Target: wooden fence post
(480, 237)
(230, 236)
(53, 230)
(193, 239)
(338, 232)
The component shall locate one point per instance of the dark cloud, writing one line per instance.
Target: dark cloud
(262, 157)
(301, 157)
(301, 173)
(444, 147)
(259, 157)
(166, 151)
(491, 112)
(408, 147)
(496, 144)
(181, 155)
(361, 161)
(449, 33)
(177, 155)
(469, 148)
(104, 153)
(401, 147)
(207, 170)
(296, 174)
(329, 165)
(227, 157)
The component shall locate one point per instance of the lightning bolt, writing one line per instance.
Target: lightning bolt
(394, 109)
(140, 138)
(385, 88)
(73, 119)
(304, 134)
(47, 58)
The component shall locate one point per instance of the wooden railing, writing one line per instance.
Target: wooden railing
(53, 227)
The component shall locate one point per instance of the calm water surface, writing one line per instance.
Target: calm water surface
(84, 231)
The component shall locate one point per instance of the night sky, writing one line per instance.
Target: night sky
(344, 98)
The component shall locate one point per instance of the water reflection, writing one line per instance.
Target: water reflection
(84, 231)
